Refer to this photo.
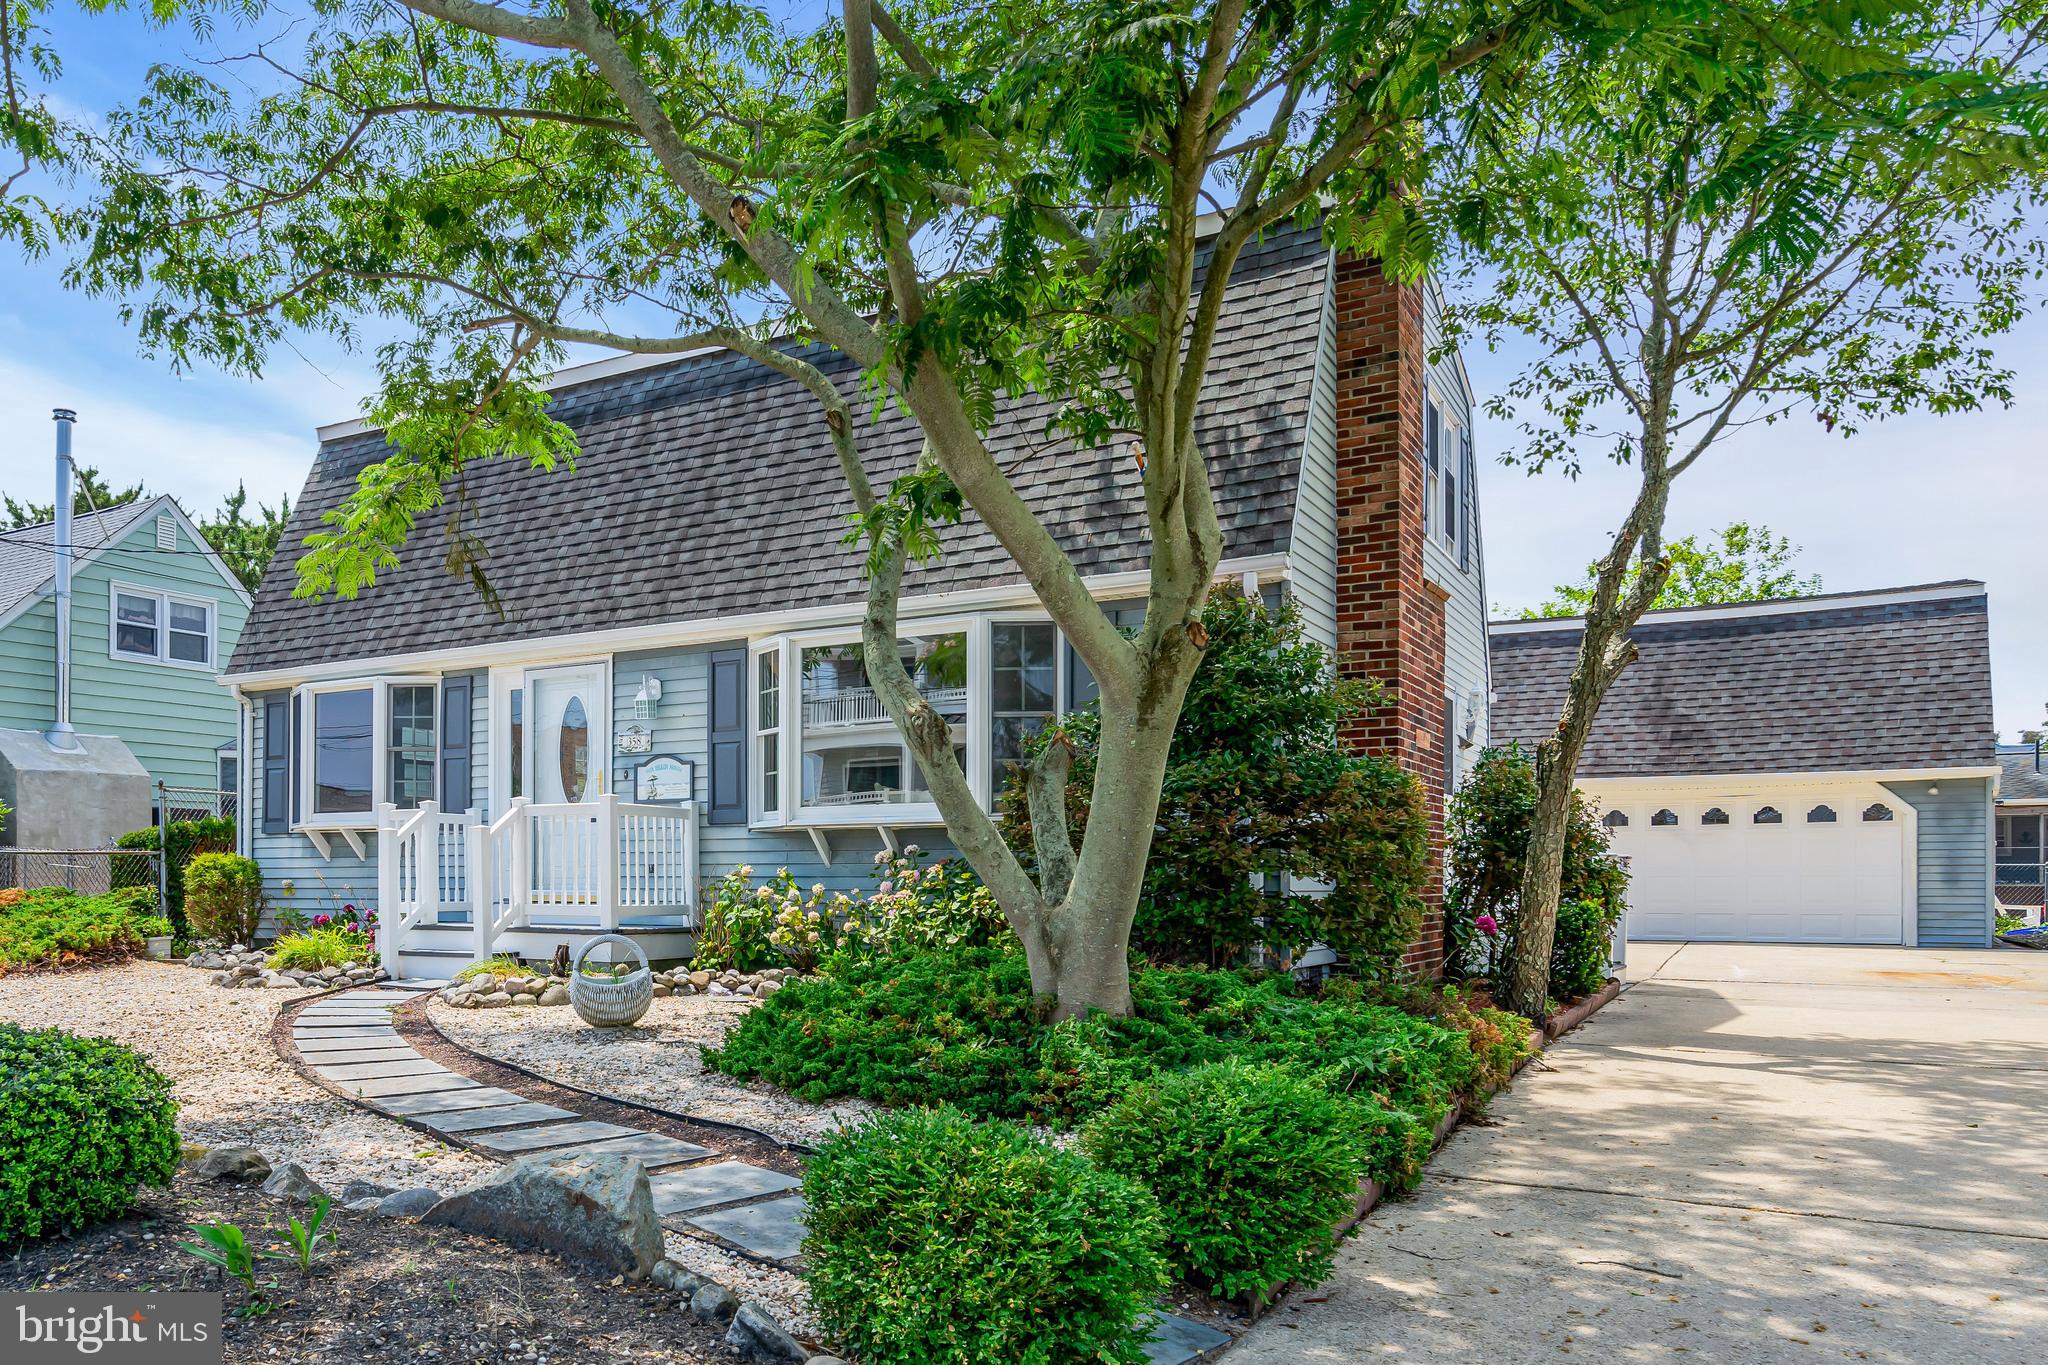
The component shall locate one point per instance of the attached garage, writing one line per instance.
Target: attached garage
(1818, 770)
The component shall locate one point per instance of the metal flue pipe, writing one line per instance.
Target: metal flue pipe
(60, 736)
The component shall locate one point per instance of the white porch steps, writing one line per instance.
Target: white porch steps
(440, 950)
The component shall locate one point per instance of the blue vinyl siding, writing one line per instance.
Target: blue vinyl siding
(1954, 854)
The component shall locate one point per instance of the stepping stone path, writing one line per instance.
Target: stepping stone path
(348, 1040)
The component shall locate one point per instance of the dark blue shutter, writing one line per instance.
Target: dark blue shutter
(291, 761)
(277, 764)
(455, 703)
(728, 737)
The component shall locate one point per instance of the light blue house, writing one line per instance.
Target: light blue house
(675, 685)
(154, 616)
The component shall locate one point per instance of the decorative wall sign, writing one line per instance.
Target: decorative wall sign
(634, 739)
(665, 778)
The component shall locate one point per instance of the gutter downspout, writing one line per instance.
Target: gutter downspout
(60, 735)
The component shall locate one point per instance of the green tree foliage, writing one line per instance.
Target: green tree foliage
(1022, 196)
(90, 492)
(1486, 843)
(1260, 782)
(245, 543)
(1814, 209)
(1743, 563)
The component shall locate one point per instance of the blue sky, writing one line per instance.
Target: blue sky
(1913, 500)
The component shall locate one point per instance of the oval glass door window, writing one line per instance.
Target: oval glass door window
(575, 749)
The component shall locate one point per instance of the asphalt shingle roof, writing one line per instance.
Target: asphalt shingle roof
(1844, 686)
(707, 488)
(26, 564)
(2024, 775)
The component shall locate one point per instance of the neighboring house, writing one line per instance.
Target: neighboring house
(2022, 831)
(154, 616)
(1817, 770)
(675, 685)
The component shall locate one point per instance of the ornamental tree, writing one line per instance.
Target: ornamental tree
(1742, 563)
(969, 202)
(1737, 224)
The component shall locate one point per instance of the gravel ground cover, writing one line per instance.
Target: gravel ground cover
(232, 1087)
(658, 1062)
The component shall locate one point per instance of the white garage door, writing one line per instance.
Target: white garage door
(1813, 865)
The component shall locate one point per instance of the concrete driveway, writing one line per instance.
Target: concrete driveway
(1755, 1154)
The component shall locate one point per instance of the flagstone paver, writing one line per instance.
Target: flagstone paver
(349, 1040)
(551, 1135)
(772, 1229)
(723, 1182)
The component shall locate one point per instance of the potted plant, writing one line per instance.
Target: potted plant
(155, 932)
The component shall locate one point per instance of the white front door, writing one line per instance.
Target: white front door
(568, 729)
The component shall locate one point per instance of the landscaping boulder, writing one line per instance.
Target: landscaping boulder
(245, 1164)
(290, 1182)
(593, 1208)
(555, 995)
(408, 1203)
(362, 1189)
(714, 1303)
(758, 1336)
(670, 1275)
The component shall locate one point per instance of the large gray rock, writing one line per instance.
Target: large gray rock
(756, 1335)
(714, 1303)
(245, 1164)
(290, 1182)
(593, 1208)
(669, 1275)
(408, 1203)
(362, 1189)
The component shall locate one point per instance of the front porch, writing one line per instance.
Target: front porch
(453, 889)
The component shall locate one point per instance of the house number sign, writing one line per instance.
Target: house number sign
(635, 739)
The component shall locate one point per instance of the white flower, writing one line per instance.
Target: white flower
(817, 888)
(911, 850)
(884, 889)
(743, 871)
(881, 856)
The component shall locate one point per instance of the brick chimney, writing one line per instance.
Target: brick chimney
(1390, 621)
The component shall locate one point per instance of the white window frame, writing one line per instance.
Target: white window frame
(766, 809)
(163, 599)
(1449, 455)
(379, 689)
(981, 683)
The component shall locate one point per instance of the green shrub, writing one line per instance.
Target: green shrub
(83, 1122)
(1581, 948)
(738, 917)
(1487, 834)
(186, 839)
(224, 896)
(919, 907)
(1260, 782)
(1498, 1039)
(1251, 1165)
(962, 1028)
(312, 949)
(51, 926)
(936, 1239)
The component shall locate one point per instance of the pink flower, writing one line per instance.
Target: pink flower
(1488, 926)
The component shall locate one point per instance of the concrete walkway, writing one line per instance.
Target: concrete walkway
(1755, 1154)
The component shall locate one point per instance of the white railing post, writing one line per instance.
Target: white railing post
(519, 897)
(690, 864)
(477, 840)
(387, 889)
(608, 860)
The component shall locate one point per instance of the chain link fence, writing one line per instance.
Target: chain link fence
(88, 871)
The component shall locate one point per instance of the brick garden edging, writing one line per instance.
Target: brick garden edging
(1257, 1303)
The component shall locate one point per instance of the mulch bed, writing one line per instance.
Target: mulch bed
(391, 1290)
(419, 1032)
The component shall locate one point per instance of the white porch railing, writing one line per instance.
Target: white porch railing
(849, 706)
(422, 870)
(572, 865)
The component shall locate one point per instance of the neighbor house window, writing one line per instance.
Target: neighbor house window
(366, 743)
(1432, 463)
(1663, 818)
(1714, 816)
(1614, 819)
(157, 627)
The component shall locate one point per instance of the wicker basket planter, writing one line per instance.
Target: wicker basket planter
(607, 1002)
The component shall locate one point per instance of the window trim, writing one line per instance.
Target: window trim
(163, 598)
(379, 688)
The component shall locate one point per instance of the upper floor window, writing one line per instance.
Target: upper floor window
(148, 626)
(851, 753)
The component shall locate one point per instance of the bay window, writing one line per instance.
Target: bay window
(1023, 687)
(367, 741)
(851, 754)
